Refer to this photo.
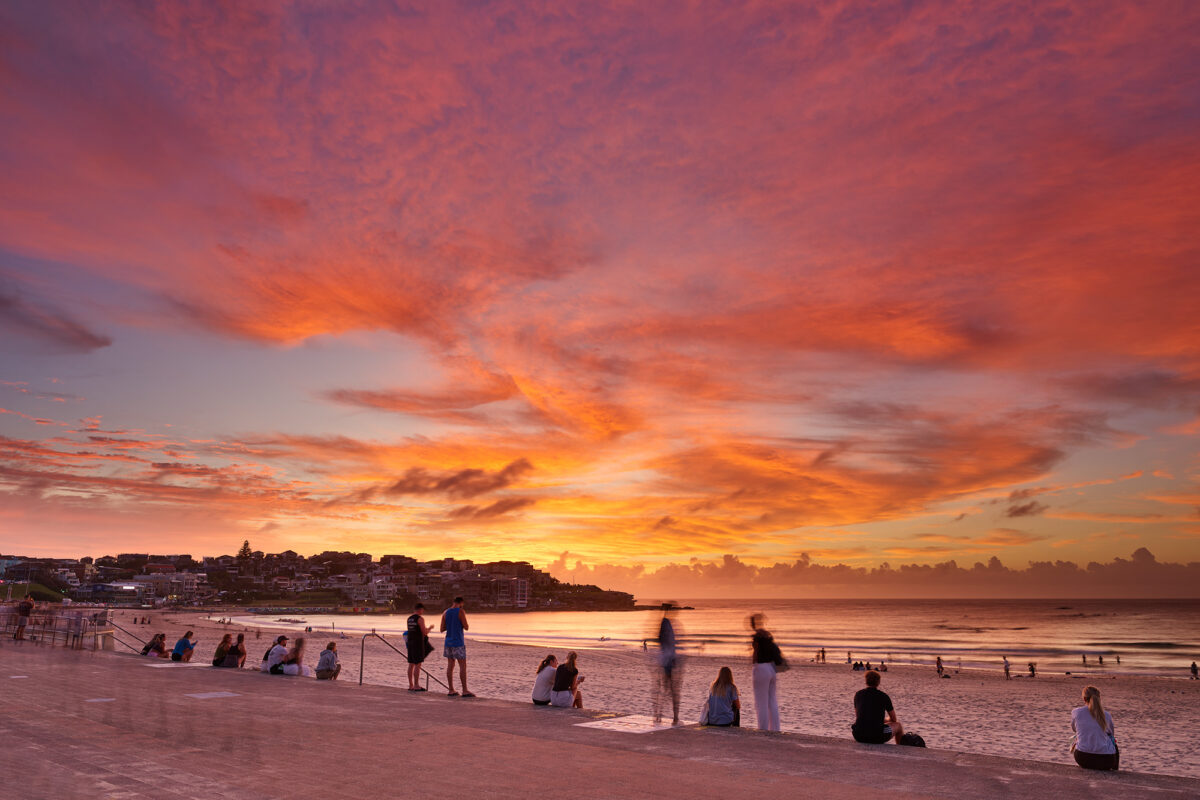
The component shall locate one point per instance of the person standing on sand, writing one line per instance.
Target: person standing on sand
(1032, 670)
(1007, 677)
(454, 624)
(1095, 745)
(418, 646)
(871, 707)
(669, 670)
(766, 656)
(940, 667)
(1195, 671)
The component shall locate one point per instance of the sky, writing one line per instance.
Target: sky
(615, 288)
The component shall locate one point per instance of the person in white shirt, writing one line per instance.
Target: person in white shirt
(1095, 744)
(273, 660)
(544, 681)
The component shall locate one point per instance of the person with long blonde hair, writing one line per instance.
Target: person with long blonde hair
(1095, 744)
(724, 705)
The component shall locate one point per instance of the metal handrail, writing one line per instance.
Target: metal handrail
(121, 641)
(45, 629)
(363, 655)
(128, 632)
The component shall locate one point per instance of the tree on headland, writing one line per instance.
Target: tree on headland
(245, 553)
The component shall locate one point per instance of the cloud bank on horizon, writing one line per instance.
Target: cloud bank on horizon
(843, 281)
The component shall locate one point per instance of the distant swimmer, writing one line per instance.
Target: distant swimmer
(1084, 657)
(1118, 659)
(1102, 661)
(1195, 671)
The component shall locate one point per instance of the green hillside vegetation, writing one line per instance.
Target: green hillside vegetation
(40, 593)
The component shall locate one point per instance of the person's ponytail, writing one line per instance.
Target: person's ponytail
(1091, 696)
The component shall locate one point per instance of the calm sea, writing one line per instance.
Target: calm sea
(1150, 637)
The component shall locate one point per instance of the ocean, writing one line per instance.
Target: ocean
(1149, 637)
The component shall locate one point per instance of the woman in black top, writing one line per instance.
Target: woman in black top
(766, 657)
(565, 693)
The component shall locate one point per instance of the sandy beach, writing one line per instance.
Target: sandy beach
(975, 712)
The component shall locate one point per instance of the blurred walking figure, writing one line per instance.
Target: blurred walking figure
(24, 610)
(1007, 677)
(1095, 744)
(670, 672)
(766, 657)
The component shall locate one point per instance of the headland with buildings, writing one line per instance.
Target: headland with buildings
(330, 581)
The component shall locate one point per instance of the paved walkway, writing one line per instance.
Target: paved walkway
(102, 725)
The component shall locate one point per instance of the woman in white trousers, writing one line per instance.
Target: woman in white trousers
(766, 656)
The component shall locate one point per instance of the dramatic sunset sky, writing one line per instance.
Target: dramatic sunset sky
(626, 284)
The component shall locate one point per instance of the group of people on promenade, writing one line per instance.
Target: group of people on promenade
(558, 684)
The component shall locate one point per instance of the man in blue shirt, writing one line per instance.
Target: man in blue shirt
(454, 623)
(183, 648)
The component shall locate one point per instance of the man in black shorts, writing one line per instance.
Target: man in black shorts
(870, 707)
(418, 646)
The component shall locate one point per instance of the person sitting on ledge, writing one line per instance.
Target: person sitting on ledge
(234, 655)
(1095, 745)
(157, 646)
(222, 650)
(543, 683)
(328, 665)
(870, 706)
(565, 693)
(724, 706)
(184, 648)
(273, 659)
(293, 662)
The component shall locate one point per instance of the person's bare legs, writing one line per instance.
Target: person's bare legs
(462, 675)
(578, 700)
(897, 731)
(450, 674)
(187, 656)
(413, 675)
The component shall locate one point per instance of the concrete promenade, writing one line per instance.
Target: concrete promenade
(82, 724)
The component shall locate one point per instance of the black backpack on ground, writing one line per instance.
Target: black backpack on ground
(912, 740)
